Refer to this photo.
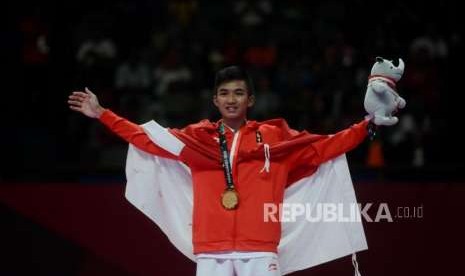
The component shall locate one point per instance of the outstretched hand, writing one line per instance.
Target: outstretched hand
(85, 103)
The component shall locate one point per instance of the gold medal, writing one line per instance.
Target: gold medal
(230, 199)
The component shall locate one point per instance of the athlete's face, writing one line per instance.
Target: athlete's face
(232, 99)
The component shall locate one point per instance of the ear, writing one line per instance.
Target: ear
(251, 101)
(379, 59)
(215, 100)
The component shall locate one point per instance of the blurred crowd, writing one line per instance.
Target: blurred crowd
(310, 61)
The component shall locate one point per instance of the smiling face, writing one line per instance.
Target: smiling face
(232, 99)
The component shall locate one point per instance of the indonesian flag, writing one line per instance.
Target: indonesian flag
(161, 188)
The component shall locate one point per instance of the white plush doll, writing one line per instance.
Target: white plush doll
(381, 98)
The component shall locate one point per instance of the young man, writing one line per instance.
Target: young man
(236, 166)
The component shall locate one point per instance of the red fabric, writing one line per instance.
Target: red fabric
(294, 155)
(133, 134)
(389, 81)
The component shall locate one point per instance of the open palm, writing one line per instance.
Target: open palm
(85, 103)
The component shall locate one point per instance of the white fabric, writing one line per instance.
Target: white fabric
(236, 255)
(305, 244)
(266, 166)
(265, 266)
(163, 138)
(162, 189)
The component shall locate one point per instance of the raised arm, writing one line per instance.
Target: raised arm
(327, 147)
(343, 141)
(87, 103)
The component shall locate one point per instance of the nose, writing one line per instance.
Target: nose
(231, 99)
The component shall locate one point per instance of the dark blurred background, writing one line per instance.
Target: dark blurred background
(156, 60)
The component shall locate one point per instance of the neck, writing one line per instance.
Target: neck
(235, 124)
(391, 80)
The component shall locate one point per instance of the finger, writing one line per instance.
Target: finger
(77, 98)
(88, 91)
(80, 94)
(75, 103)
(75, 108)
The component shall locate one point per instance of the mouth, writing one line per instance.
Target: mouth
(231, 108)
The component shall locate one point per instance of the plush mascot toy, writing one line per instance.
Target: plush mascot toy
(381, 98)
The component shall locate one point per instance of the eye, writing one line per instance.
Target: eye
(392, 67)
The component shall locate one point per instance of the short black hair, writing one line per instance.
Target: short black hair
(232, 73)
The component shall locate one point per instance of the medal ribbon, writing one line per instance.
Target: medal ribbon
(225, 158)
